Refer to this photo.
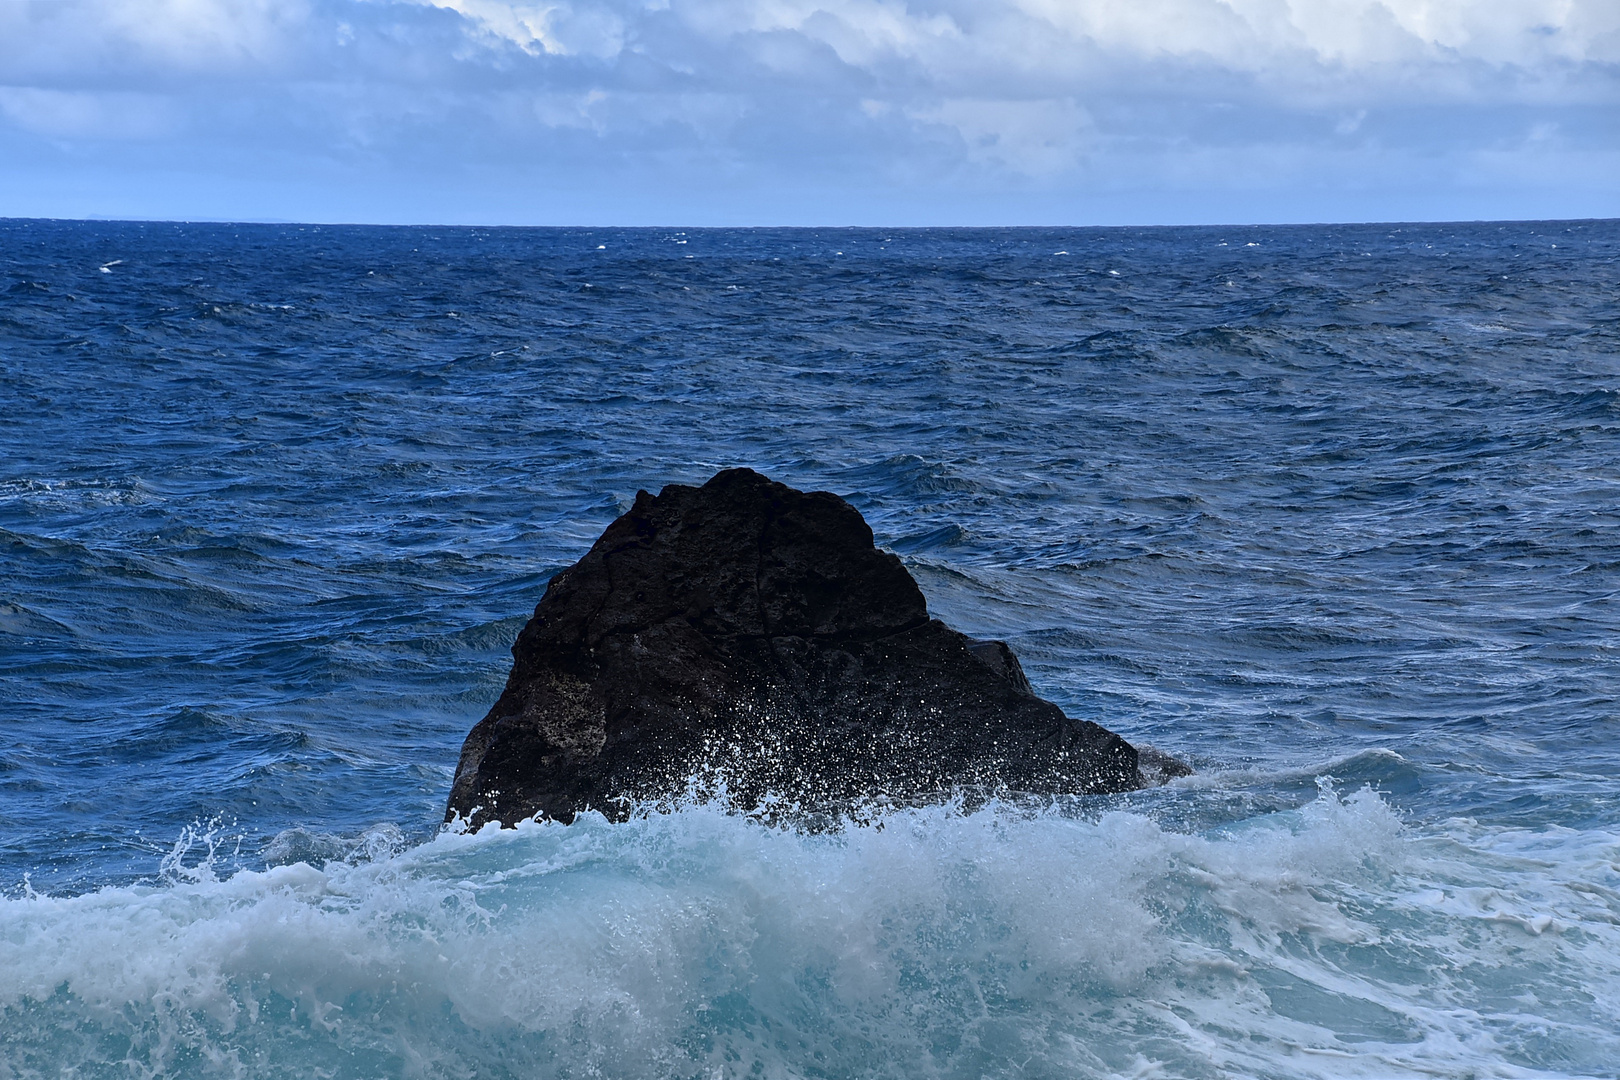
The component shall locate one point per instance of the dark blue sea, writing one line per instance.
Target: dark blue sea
(1331, 512)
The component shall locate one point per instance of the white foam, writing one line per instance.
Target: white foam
(1329, 941)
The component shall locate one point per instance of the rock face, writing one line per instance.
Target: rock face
(747, 633)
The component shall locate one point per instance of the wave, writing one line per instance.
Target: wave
(1331, 940)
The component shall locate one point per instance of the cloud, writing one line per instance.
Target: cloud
(928, 43)
(595, 30)
(79, 114)
(89, 40)
(1039, 138)
(920, 95)
(1045, 38)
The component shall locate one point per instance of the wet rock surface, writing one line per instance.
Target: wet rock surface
(748, 635)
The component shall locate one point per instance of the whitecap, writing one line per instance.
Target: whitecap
(1327, 941)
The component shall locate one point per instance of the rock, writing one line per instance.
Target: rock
(749, 635)
(998, 656)
(1157, 767)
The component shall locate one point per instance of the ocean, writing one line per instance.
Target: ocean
(1330, 512)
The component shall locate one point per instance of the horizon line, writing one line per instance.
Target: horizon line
(109, 220)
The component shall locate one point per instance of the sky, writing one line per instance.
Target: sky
(810, 112)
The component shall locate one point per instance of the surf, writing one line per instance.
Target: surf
(1068, 940)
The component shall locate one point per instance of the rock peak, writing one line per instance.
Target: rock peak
(751, 631)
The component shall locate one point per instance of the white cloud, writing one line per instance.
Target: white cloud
(1037, 139)
(941, 39)
(82, 114)
(558, 29)
(88, 39)
(919, 92)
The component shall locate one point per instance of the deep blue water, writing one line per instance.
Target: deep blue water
(1332, 512)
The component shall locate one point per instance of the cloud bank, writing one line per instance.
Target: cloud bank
(810, 110)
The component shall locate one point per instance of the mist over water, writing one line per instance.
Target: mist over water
(1330, 512)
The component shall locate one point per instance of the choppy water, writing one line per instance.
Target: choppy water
(1292, 503)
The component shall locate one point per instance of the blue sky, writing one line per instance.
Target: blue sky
(734, 112)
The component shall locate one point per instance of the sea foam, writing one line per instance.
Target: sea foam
(1330, 940)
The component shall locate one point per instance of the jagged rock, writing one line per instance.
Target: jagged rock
(747, 634)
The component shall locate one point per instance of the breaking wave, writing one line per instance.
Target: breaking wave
(1330, 940)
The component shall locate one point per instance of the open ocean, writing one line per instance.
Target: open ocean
(1331, 512)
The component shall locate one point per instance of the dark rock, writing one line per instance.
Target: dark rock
(1158, 767)
(998, 656)
(749, 634)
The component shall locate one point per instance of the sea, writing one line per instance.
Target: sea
(1332, 513)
